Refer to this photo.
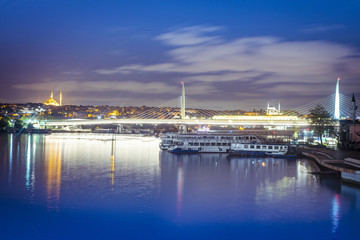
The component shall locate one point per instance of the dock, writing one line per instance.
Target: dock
(346, 163)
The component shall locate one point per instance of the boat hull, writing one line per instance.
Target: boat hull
(183, 151)
(281, 155)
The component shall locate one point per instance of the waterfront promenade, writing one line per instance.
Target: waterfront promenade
(347, 163)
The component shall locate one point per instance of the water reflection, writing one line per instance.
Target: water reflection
(180, 186)
(112, 162)
(335, 212)
(203, 190)
(28, 164)
(53, 184)
(10, 143)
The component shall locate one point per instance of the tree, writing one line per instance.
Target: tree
(18, 125)
(321, 121)
(4, 122)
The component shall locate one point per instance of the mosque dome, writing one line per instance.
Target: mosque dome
(51, 101)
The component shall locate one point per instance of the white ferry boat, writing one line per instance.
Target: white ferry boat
(204, 143)
(275, 150)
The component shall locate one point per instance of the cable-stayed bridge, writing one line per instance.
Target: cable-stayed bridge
(174, 112)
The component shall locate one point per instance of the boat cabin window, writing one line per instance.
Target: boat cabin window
(218, 144)
(224, 144)
(229, 144)
(213, 144)
(246, 146)
(207, 144)
(252, 146)
(247, 138)
(276, 147)
(257, 146)
(191, 144)
(196, 144)
(180, 144)
(202, 144)
(264, 147)
(270, 147)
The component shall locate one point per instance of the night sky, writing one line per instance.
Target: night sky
(229, 53)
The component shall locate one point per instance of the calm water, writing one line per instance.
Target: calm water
(66, 186)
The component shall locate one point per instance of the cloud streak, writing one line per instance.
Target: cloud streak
(321, 28)
(212, 58)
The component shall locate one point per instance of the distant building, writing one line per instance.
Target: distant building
(350, 130)
(349, 135)
(52, 102)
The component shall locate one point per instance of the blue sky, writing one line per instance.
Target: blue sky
(228, 53)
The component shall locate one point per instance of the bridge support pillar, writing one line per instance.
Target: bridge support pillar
(182, 129)
(119, 128)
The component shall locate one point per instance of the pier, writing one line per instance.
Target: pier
(345, 163)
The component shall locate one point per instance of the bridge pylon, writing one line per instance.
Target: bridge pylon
(337, 101)
(182, 128)
(183, 101)
(119, 128)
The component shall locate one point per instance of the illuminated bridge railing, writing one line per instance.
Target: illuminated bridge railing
(244, 122)
(258, 118)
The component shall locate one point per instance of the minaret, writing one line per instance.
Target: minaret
(353, 108)
(60, 98)
(337, 101)
(279, 108)
(183, 101)
(52, 94)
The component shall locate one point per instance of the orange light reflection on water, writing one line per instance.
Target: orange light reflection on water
(53, 175)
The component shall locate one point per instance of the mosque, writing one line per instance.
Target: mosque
(270, 110)
(52, 102)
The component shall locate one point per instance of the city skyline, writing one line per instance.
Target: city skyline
(136, 52)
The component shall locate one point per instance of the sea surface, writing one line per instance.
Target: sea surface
(94, 186)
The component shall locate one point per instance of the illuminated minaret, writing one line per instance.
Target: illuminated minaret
(279, 108)
(337, 101)
(52, 94)
(183, 101)
(60, 98)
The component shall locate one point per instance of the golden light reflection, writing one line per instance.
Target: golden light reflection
(54, 175)
(112, 170)
(112, 161)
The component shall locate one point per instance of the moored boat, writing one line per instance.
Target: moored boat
(274, 150)
(205, 143)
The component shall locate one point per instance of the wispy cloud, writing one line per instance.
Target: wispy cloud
(321, 28)
(190, 36)
(244, 59)
(263, 67)
(152, 88)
